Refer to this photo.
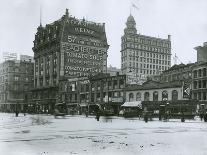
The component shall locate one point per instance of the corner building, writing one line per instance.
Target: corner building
(16, 81)
(66, 48)
(143, 55)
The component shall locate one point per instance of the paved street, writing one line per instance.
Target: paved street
(44, 135)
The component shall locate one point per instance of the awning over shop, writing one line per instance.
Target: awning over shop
(133, 104)
(84, 104)
(72, 104)
(57, 104)
(14, 103)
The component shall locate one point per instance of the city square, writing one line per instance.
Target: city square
(103, 77)
(44, 135)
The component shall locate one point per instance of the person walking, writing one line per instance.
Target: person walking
(16, 113)
(86, 113)
(98, 115)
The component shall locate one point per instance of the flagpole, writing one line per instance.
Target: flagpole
(130, 9)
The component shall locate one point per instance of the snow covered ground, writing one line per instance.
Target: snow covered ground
(44, 135)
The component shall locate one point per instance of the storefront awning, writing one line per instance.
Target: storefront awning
(133, 104)
(72, 104)
(83, 104)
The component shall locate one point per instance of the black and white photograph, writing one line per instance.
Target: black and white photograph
(103, 77)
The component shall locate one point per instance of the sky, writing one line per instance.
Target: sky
(184, 20)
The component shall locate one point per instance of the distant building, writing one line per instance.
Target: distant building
(179, 72)
(113, 71)
(16, 80)
(202, 53)
(143, 55)
(66, 48)
(9, 56)
(26, 58)
(199, 82)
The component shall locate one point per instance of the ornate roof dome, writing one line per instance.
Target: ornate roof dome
(130, 19)
(130, 26)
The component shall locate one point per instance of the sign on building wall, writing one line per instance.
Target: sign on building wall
(133, 78)
(84, 50)
(186, 90)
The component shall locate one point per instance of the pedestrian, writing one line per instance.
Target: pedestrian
(97, 115)
(182, 117)
(86, 113)
(205, 117)
(146, 117)
(16, 113)
(201, 116)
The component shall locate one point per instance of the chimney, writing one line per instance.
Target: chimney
(169, 37)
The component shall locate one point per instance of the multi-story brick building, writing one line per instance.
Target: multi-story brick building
(199, 78)
(199, 82)
(101, 89)
(66, 48)
(143, 55)
(16, 79)
(179, 72)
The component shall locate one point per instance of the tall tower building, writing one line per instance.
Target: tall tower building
(143, 56)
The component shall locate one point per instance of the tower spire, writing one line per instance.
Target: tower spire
(66, 12)
(41, 15)
(130, 10)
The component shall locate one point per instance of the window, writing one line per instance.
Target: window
(155, 96)
(204, 83)
(121, 94)
(199, 73)
(204, 72)
(199, 95)
(204, 95)
(174, 95)
(164, 95)
(146, 96)
(199, 84)
(195, 96)
(195, 83)
(195, 73)
(131, 97)
(138, 96)
(16, 78)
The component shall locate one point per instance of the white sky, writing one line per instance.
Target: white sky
(185, 20)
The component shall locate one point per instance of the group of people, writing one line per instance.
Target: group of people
(203, 116)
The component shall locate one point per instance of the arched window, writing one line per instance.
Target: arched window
(164, 95)
(195, 73)
(131, 97)
(174, 95)
(138, 96)
(155, 96)
(146, 96)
